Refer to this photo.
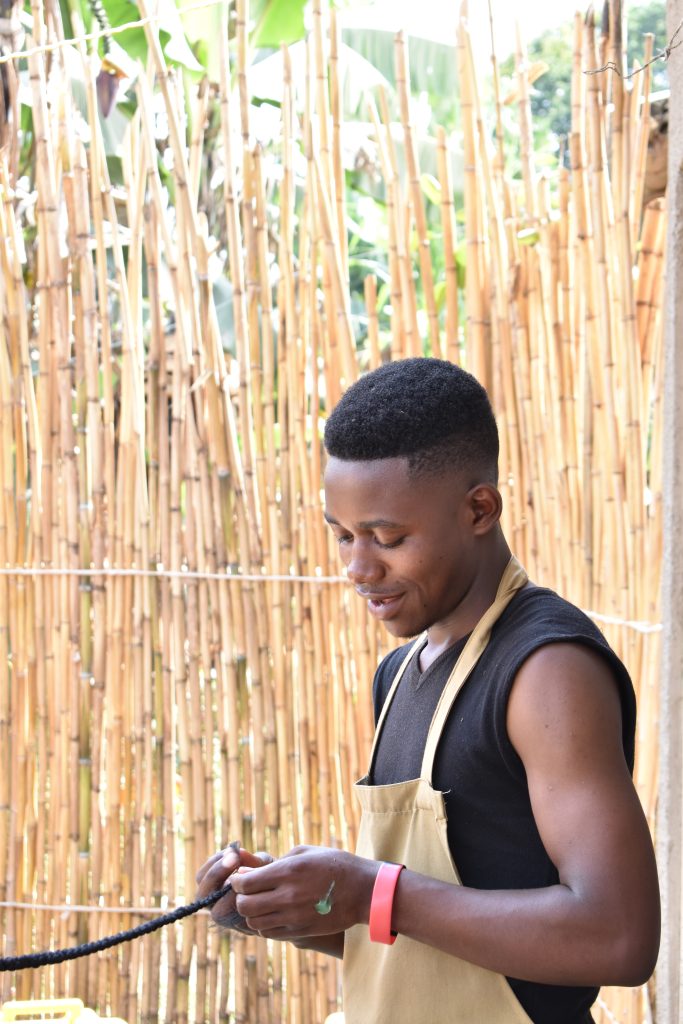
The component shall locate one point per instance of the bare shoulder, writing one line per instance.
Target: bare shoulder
(565, 695)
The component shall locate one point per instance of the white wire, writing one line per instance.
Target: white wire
(77, 908)
(99, 33)
(637, 625)
(182, 574)
(606, 1010)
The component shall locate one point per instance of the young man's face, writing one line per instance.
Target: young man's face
(408, 544)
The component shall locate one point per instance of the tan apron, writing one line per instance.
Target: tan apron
(410, 982)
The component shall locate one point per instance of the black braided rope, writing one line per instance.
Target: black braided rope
(58, 956)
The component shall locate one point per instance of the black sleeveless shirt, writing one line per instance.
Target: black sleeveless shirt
(492, 834)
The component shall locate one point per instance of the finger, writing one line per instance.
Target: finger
(260, 905)
(207, 866)
(230, 857)
(219, 871)
(267, 921)
(248, 880)
(271, 926)
(280, 934)
(254, 860)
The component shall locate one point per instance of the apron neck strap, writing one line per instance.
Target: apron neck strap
(513, 579)
(414, 648)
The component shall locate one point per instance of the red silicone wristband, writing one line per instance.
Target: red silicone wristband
(382, 903)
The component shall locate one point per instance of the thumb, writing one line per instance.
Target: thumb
(254, 860)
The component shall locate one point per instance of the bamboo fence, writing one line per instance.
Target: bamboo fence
(180, 663)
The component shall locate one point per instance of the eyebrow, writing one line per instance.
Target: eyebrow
(367, 524)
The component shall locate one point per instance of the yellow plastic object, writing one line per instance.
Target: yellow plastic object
(38, 1011)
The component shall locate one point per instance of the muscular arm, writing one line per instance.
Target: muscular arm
(600, 924)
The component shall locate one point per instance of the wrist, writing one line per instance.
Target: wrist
(366, 890)
(382, 903)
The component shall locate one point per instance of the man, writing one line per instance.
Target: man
(500, 775)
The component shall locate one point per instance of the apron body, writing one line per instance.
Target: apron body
(410, 982)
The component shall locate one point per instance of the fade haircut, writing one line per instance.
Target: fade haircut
(431, 412)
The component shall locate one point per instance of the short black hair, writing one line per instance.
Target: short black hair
(429, 411)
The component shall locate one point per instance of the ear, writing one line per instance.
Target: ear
(485, 506)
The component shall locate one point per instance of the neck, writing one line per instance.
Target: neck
(480, 596)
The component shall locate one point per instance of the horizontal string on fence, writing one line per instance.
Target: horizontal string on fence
(229, 577)
(608, 1013)
(78, 908)
(637, 625)
(100, 33)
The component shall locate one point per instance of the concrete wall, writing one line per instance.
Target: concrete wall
(670, 807)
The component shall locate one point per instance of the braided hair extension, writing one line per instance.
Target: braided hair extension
(58, 956)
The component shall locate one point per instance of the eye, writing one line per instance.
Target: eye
(392, 544)
(343, 538)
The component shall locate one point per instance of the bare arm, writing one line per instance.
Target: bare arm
(599, 925)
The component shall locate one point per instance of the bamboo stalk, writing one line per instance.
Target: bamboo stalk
(370, 290)
(337, 159)
(402, 78)
(404, 329)
(474, 322)
(449, 244)
(641, 142)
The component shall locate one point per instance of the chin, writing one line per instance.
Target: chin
(403, 630)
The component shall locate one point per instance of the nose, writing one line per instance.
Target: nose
(363, 564)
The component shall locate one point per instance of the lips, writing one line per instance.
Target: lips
(382, 606)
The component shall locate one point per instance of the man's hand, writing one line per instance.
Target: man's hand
(213, 875)
(279, 900)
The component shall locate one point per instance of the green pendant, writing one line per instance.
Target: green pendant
(324, 906)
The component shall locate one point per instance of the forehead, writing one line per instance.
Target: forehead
(382, 489)
(366, 474)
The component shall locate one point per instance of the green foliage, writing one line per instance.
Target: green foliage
(551, 93)
(277, 21)
(272, 22)
(174, 41)
(433, 71)
(431, 188)
(649, 17)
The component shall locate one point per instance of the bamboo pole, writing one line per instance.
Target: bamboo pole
(475, 317)
(370, 290)
(402, 80)
(336, 104)
(449, 245)
(642, 135)
(403, 312)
